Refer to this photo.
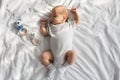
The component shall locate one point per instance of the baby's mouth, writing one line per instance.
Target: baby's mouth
(53, 22)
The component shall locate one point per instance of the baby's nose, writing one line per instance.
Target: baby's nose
(51, 18)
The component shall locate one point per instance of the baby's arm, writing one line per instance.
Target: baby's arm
(74, 11)
(43, 26)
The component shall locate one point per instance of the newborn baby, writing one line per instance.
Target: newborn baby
(61, 31)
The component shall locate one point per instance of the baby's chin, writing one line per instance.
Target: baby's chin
(55, 23)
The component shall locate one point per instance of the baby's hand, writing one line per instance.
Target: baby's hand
(73, 10)
(43, 21)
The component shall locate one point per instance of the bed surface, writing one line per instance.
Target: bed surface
(96, 40)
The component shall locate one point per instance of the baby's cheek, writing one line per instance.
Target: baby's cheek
(59, 19)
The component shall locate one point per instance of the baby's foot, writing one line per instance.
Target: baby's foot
(51, 71)
(64, 68)
(46, 58)
(71, 57)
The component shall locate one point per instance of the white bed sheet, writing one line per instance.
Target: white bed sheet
(96, 40)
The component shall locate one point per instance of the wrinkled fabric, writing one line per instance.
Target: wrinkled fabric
(96, 40)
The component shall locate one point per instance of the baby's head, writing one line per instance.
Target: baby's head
(59, 15)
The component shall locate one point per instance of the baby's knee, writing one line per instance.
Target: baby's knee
(74, 54)
(71, 56)
(46, 58)
(71, 53)
(45, 55)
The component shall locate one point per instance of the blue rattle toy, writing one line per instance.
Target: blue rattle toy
(22, 29)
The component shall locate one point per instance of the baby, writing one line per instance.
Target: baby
(61, 31)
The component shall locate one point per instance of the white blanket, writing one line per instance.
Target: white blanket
(96, 40)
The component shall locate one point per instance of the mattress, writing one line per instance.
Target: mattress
(96, 40)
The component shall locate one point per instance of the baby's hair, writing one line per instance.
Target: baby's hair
(64, 11)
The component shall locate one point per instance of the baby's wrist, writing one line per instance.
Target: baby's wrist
(75, 12)
(43, 24)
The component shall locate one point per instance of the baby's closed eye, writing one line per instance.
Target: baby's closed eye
(55, 16)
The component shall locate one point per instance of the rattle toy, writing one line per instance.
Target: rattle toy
(35, 39)
(22, 29)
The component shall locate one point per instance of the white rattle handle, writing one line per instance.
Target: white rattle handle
(23, 32)
(35, 39)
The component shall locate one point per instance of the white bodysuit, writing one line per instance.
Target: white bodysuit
(61, 40)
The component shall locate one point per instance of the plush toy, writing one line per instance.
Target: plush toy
(22, 29)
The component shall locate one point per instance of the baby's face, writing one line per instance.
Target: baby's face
(56, 17)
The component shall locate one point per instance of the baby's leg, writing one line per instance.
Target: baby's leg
(70, 56)
(47, 58)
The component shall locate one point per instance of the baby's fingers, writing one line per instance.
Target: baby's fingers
(73, 10)
(43, 21)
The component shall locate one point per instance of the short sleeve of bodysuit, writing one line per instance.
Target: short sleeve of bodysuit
(72, 24)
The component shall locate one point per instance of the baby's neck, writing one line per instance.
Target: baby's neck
(57, 23)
